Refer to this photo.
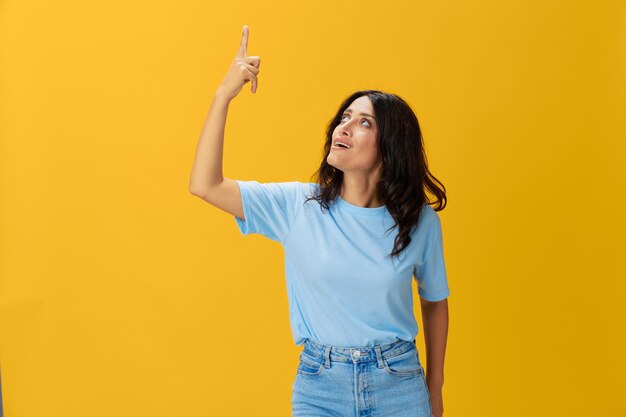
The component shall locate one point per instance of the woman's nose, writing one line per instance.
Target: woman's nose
(346, 127)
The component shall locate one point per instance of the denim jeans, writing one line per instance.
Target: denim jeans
(383, 380)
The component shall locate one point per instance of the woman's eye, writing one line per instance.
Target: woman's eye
(365, 120)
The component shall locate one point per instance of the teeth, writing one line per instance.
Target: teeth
(342, 145)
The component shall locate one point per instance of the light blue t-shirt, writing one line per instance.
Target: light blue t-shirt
(342, 288)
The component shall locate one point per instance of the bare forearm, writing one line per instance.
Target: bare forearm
(435, 318)
(207, 165)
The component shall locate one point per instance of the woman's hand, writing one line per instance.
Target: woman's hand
(243, 69)
(436, 402)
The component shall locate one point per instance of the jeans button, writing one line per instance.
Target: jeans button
(356, 353)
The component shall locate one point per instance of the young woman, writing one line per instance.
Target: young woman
(349, 276)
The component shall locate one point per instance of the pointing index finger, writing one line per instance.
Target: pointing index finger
(243, 46)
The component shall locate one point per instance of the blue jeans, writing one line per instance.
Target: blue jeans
(384, 380)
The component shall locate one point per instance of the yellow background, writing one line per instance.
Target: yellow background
(124, 295)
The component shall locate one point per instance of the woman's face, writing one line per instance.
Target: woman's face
(360, 132)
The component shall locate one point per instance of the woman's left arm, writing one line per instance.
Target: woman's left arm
(435, 319)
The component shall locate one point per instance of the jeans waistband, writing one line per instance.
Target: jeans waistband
(358, 353)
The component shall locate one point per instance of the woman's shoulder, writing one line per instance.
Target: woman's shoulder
(428, 215)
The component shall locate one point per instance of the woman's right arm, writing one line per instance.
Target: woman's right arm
(207, 180)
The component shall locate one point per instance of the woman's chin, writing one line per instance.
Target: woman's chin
(334, 160)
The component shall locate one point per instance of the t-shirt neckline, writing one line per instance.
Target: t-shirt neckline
(368, 211)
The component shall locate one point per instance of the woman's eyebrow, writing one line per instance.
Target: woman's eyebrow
(362, 114)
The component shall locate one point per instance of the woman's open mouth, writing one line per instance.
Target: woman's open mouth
(340, 146)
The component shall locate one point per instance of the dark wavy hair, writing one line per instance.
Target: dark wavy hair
(404, 176)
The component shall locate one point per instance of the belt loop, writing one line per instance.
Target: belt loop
(379, 357)
(327, 357)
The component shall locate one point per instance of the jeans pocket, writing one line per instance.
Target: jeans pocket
(404, 364)
(309, 364)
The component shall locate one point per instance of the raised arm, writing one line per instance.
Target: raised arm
(207, 180)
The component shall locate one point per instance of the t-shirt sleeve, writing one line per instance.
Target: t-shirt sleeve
(269, 208)
(430, 271)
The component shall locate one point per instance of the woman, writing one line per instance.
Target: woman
(349, 278)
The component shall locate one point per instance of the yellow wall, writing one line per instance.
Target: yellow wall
(124, 295)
